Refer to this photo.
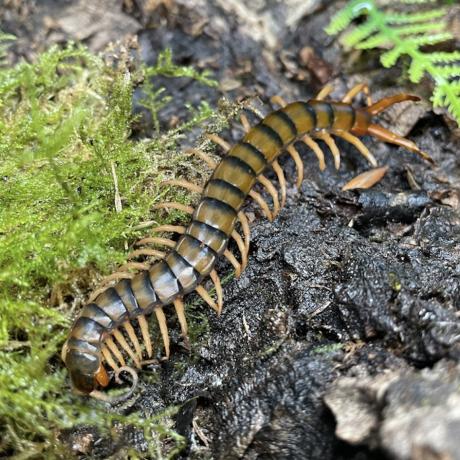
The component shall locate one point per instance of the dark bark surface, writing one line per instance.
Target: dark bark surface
(341, 339)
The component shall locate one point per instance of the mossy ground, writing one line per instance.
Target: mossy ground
(74, 188)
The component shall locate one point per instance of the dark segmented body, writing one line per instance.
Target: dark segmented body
(206, 237)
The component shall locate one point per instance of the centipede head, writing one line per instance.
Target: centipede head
(363, 124)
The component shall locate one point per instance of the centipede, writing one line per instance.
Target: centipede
(103, 341)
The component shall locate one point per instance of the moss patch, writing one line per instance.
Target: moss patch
(74, 187)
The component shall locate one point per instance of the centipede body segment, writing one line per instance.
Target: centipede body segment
(103, 335)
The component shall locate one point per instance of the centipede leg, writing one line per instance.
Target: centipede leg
(161, 318)
(132, 336)
(146, 252)
(298, 162)
(219, 141)
(257, 197)
(174, 205)
(124, 344)
(115, 350)
(326, 137)
(232, 259)
(324, 93)
(204, 157)
(282, 180)
(108, 358)
(316, 150)
(204, 294)
(183, 183)
(273, 193)
(135, 266)
(180, 311)
(239, 241)
(353, 140)
(219, 293)
(145, 334)
(158, 241)
(360, 87)
(278, 100)
(245, 123)
(246, 230)
(170, 228)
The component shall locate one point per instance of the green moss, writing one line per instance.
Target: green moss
(74, 189)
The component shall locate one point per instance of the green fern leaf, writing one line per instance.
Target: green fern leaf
(375, 41)
(444, 57)
(406, 34)
(360, 33)
(416, 71)
(389, 58)
(434, 39)
(450, 71)
(411, 18)
(413, 29)
(343, 18)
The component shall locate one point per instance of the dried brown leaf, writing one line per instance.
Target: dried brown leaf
(367, 179)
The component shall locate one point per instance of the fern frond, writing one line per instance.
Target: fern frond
(343, 18)
(434, 39)
(413, 29)
(411, 18)
(443, 57)
(406, 34)
(360, 33)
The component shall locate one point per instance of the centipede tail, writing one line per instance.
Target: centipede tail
(103, 337)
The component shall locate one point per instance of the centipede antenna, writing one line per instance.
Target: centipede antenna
(282, 180)
(387, 136)
(204, 294)
(124, 344)
(108, 358)
(326, 137)
(324, 93)
(146, 252)
(219, 293)
(203, 156)
(273, 193)
(278, 100)
(316, 150)
(360, 87)
(180, 311)
(246, 230)
(232, 259)
(96, 394)
(161, 318)
(174, 205)
(170, 228)
(353, 140)
(240, 243)
(185, 184)
(219, 141)
(145, 334)
(115, 350)
(298, 163)
(245, 123)
(257, 197)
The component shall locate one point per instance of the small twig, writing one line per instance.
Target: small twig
(118, 205)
